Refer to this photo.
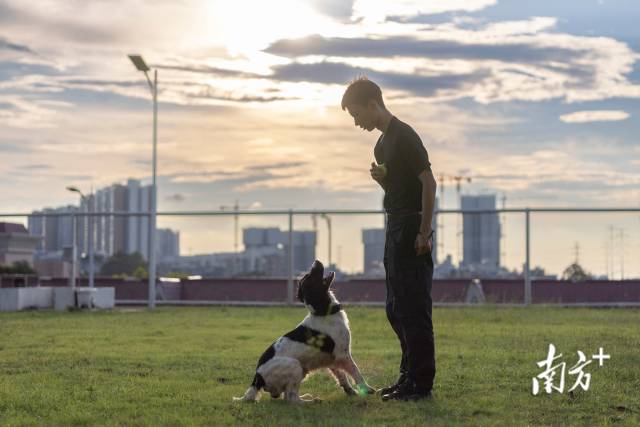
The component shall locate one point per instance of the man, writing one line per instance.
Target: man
(404, 172)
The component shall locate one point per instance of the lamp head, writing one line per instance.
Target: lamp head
(139, 63)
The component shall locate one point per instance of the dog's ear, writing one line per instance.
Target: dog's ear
(300, 287)
(329, 279)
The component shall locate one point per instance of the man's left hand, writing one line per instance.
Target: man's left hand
(422, 244)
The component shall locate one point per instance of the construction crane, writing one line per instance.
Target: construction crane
(236, 216)
(235, 207)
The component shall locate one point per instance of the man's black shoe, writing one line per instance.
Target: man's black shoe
(408, 391)
(394, 387)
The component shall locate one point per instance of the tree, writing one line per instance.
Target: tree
(121, 263)
(575, 273)
(140, 272)
(18, 267)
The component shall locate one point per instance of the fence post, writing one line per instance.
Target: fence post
(290, 261)
(527, 265)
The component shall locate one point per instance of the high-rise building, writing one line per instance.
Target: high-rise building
(266, 250)
(55, 230)
(111, 233)
(16, 244)
(373, 240)
(104, 224)
(304, 250)
(119, 231)
(481, 232)
(167, 243)
(110, 230)
(138, 200)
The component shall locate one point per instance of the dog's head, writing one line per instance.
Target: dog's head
(314, 289)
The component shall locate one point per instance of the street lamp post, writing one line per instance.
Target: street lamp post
(153, 86)
(74, 252)
(90, 240)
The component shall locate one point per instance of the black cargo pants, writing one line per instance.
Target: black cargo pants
(409, 278)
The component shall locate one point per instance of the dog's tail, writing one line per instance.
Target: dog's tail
(253, 392)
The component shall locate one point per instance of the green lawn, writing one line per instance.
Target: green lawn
(181, 366)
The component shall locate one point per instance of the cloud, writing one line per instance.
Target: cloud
(379, 10)
(14, 146)
(337, 73)
(272, 166)
(209, 94)
(12, 69)
(177, 197)
(6, 45)
(415, 47)
(52, 23)
(236, 181)
(26, 113)
(338, 9)
(96, 82)
(595, 116)
(207, 69)
(77, 177)
(243, 177)
(521, 60)
(38, 166)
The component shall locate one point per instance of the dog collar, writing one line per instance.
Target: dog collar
(334, 308)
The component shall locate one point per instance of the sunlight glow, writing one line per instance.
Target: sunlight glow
(247, 26)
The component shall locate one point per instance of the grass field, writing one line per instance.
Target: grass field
(181, 366)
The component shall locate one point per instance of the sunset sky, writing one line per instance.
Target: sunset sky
(538, 101)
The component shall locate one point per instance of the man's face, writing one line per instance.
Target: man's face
(363, 116)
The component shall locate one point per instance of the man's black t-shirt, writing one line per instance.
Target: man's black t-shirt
(401, 150)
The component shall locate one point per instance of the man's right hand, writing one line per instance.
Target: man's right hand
(378, 172)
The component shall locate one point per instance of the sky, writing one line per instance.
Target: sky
(537, 102)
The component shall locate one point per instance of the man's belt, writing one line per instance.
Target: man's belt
(395, 215)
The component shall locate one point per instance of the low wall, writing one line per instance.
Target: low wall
(58, 297)
(268, 290)
(371, 290)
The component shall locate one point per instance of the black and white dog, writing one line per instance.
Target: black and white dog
(321, 340)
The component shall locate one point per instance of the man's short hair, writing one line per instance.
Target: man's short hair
(361, 91)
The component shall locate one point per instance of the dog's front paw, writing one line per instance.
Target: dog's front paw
(350, 391)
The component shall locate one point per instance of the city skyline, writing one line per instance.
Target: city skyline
(477, 239)
(535, 101)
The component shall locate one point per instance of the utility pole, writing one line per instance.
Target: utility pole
(606, 258)
(503, 249)
(440, 219)
(612, 252)
(141, 65)
(621, 230)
